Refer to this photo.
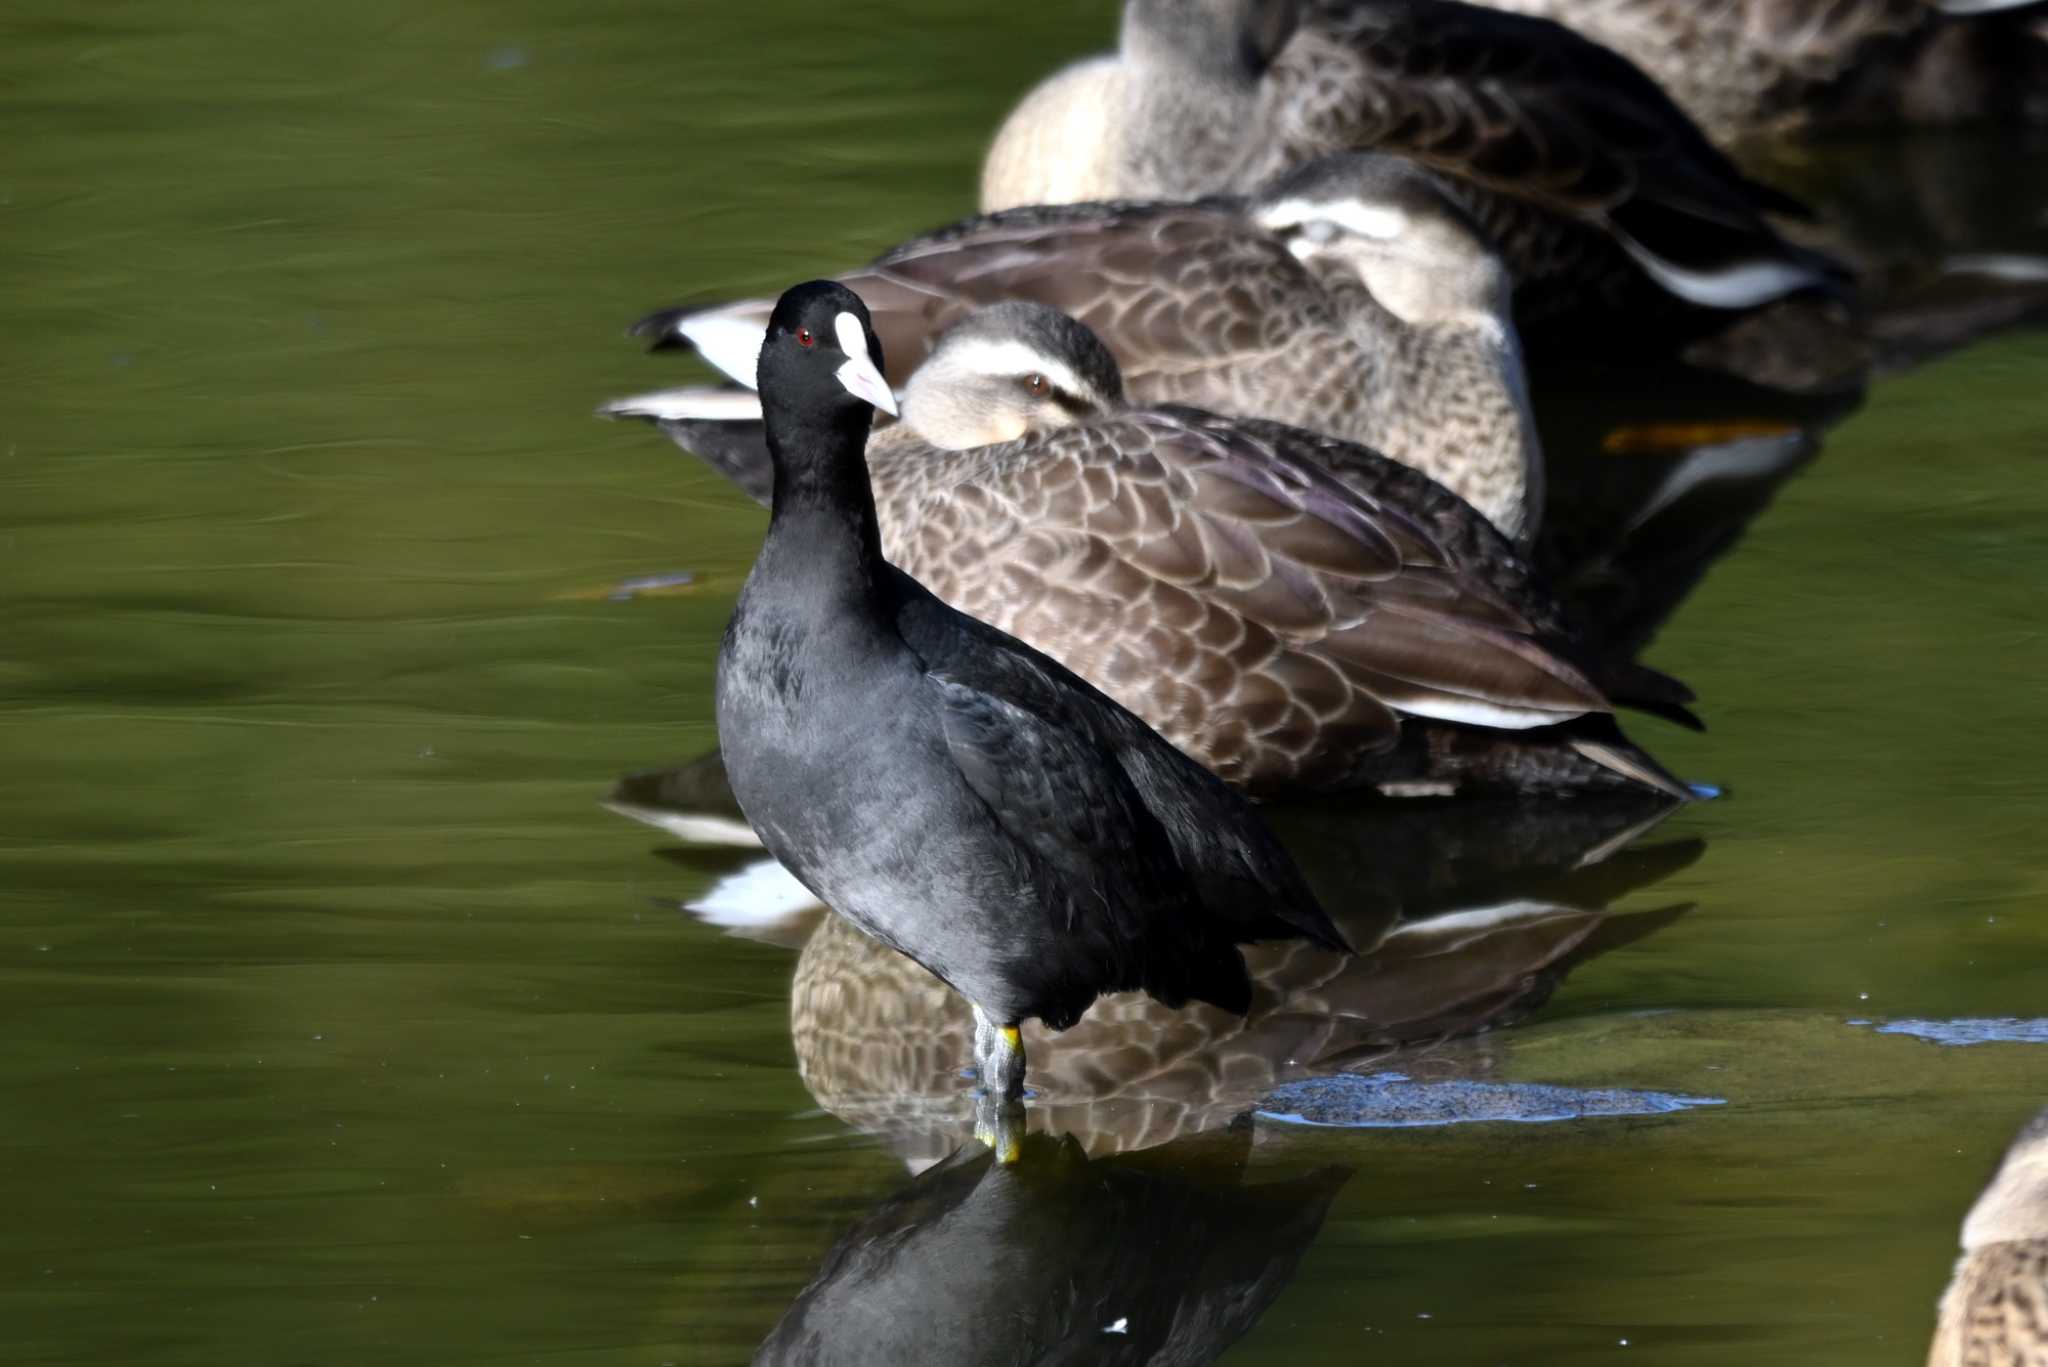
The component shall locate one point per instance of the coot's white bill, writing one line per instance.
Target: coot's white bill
(861, 376)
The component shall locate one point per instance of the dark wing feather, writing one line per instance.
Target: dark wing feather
(1063, 798)
(1261, 614)
(1172, 283)
(1038, 743)
(1526, 108)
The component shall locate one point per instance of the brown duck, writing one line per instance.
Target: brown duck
(1995, 1313)
(1296, 612)
(1596, 186)
(1349, 296)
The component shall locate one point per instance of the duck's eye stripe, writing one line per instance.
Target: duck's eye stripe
(1068, 403)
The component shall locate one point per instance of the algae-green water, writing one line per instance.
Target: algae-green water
(343, 1025)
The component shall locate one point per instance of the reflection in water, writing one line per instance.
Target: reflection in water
(885, 1047)
(1469, 915)
(1059, 1258)
(1657, 469)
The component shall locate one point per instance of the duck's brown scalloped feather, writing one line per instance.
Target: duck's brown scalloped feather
(1163, 286)
(1523, 108)
(1253, 643)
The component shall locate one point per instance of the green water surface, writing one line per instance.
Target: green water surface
(342, 1025)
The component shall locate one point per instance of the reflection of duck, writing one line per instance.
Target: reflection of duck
(1296, 613)
(1579, 167)
(1995, 1313)
(1350, 297)
(1473, 913)
(1059, 1259)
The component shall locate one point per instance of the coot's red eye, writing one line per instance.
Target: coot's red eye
(804, 338)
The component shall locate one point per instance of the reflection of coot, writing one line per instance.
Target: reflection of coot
(1510, 898)
(1056, 1259)
(1468, 915)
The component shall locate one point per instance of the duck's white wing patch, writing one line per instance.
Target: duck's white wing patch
(698, 403)
(730, 337)
(1740, 286)
(762, 894)
(2014, 266)
(1477, 711)
(693, 828)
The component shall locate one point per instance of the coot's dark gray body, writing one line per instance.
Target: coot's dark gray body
(954, 793)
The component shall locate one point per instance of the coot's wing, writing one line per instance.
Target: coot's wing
(1036, 741)
(1029, 744)
(1062, 796)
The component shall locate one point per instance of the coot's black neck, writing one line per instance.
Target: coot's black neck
(824, 509)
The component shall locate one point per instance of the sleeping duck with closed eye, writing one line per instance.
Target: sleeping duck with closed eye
(1296, 612)
(1601, 194)
(1348, 296)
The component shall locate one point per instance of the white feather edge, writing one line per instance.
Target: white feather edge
(1478, 712)
(761, 894)
(1968, 7)
(700, 403)
(2017, 267)
(1745, 458)
(1471, 920)
(1741, 286)
(694, 828)
(730, 337)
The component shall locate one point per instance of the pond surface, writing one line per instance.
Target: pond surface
(345, 1025)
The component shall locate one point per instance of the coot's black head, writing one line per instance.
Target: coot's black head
(821, 363)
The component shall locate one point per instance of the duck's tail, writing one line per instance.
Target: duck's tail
(721, 427)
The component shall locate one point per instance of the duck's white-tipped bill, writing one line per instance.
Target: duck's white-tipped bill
(860, 375)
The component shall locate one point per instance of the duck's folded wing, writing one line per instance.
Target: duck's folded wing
(1233, 596)
(1527, 108)
(1360, 583)
(1164, 286)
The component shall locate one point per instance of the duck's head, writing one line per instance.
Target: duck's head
(820, 362)
(1388, 224)
(1007, 370)
(2015, 1205)
(1234, 40)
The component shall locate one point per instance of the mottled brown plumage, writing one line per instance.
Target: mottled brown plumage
(1272, 602)
(1296, 612)
(1748, 66)
(1267, 307)
(1586, 175)
(1995, 1312)
(880, 1043)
